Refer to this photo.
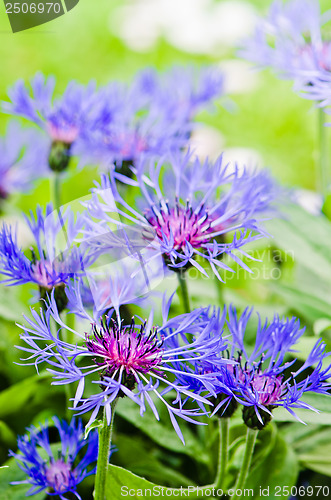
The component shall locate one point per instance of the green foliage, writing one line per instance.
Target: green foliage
(161, 433)
(11, 472)
(20, 402)
(277, 468)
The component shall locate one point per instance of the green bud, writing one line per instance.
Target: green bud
(59, 156)
(251, 420)
(228, 409)
(60, 296)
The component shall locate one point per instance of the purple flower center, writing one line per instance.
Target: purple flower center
(58, 475)
(183, 224)
(62, 132)
(130, 145)
(44, 273)
(269, 388)
(322, 56)
(125, 348)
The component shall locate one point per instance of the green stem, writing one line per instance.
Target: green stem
(223, 452)
(219, 290)
(67, 387)
(56, 191)
(68, 396)
(184, 291)
(69, 338)
(249, 450)
(105, 435)
(70, 321)
(323, 154)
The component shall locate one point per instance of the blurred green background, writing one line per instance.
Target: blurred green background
(86, 43)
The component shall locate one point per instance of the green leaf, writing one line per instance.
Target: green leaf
(23, 400)
(303, 349)
(162, 434)
(317, 463)
(321, 325)
(312, 447)
(94, 425)
(11, 306)
(151, 462)
(14, 492)
(7, 436)
(304, 236)
(308, 305)
(320, 402)
(307, 416)
(295, 433)
(14, 399)
(122, 483)
(318, 458)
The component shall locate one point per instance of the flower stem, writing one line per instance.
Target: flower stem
(323, 154)
(249, 450)
(56, 191)
(105, 435)
(219, 290)
(223, 451)
(69, 338)
(70, 320)
(184, 291)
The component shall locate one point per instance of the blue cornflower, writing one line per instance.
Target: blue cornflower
(184, 91)
(57, 473)
(62, 119)
(198, 205)
(55, 258)
(152, 116)
(121, 138)
(23, 159)
(262, 379)
(136, 360)
(291, 41)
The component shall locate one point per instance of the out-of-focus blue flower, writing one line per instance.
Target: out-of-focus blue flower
(188, 208)
(136, 360)
(262, 379)
(152, 116)
(62, 117)
(57, 474)
(291, 42)
(55, 258)
(23, 159)
(183, 92)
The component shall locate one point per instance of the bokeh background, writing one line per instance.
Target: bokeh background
(262, 121)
